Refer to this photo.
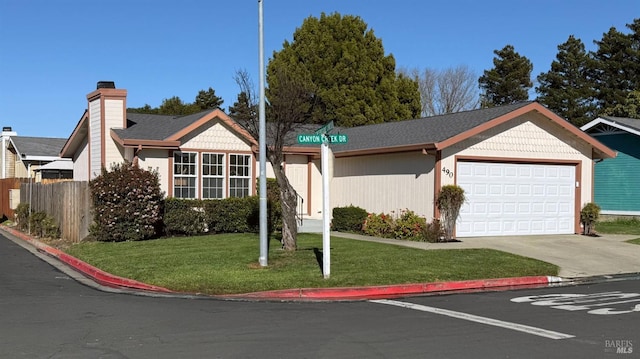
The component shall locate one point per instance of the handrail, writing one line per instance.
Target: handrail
(300, 207)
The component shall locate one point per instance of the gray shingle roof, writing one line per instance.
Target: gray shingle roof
(426, 130)
(156, 127)
(628, 122)
(38, 146)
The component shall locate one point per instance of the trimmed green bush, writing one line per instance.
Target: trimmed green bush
(127, 204)
(233, 215)
(589, 216)
(348, 219)
(184, 217)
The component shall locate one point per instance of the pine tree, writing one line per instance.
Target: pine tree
(509, 81)
(342, 64)
(566, 89)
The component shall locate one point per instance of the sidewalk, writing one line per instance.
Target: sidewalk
(581, 259)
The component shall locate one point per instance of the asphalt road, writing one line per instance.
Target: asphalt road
(46, 313)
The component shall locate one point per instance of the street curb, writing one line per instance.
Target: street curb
(401, 290)
(86, 269)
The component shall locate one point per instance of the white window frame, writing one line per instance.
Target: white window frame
(179, 175)
(221, 165)
(245, 169)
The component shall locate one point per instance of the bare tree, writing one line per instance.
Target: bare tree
(286, 113)
(447, 91)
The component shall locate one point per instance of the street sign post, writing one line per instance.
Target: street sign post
(320, 137)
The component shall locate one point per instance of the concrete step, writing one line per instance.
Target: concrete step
(310, 226)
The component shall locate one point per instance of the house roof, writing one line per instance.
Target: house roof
(609, 124)
(37, 148)
(439, 132)
(60, 164)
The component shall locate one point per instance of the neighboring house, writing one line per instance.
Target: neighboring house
(23, 156)
(617, 181)
(524, 169)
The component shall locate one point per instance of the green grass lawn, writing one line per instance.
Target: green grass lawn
(228, 263)
(619, 226)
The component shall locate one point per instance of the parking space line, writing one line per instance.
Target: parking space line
(478, 319)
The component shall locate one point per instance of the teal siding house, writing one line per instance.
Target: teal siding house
(617, 180)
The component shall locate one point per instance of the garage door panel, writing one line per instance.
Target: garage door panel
(516, 199)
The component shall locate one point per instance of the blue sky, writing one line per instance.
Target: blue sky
(52, 53)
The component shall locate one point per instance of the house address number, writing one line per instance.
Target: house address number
(447, 172)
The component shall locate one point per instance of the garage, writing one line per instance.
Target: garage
(516, 199)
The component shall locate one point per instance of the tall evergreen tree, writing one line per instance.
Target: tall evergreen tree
(616, 69)
(242, 110)
(630, 108)
(206, 100)
(509, 81)
(342, 64)
(566, 89)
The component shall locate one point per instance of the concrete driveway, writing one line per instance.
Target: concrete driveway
(576, 255)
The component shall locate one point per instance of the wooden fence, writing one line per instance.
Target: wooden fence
(67, 202)
(7, 185)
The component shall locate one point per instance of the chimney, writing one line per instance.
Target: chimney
(105, 85)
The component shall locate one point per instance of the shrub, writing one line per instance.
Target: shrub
(433, 232)
(233, 214)
(449, 201)
(127, 204)
(379, 225)
(184, 216)
(22, 216)
(588, 217)
(348, 219)
(409, 226)
(44, 226)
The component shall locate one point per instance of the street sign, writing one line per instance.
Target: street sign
(324, 129)
(309, 139)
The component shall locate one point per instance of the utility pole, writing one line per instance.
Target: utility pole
(264, 240)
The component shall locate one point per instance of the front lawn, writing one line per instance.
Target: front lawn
(228, 263)
(619, 226)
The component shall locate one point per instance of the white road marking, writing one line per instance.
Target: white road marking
(474, 318)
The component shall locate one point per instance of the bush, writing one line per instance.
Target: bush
(22, 216)
(449, 201)
(379, 225)
(348, 219)
(44, 226)
(409, 226)
(433, 232)
(184, 217)
(588, 217)
(127, 204)
(233, 214)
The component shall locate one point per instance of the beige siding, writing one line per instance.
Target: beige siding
(215, 136)
(156, 160)
(114, 115)
(95, 138)
(297, 173)
(529, 137)
(384, 183)
(81, 163)
(20, 169)
(316, 189)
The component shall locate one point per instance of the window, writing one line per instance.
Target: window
(239, 175)
(184, 175)
(212, 175)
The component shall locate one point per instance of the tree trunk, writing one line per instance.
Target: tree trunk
(289, 202)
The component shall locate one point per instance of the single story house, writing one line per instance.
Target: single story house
(23, 156)
(524, 169)
(617, 181)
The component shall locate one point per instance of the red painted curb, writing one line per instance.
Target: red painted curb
(86, 269)
(390, 291)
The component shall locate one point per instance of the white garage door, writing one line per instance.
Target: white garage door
(516, 199)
